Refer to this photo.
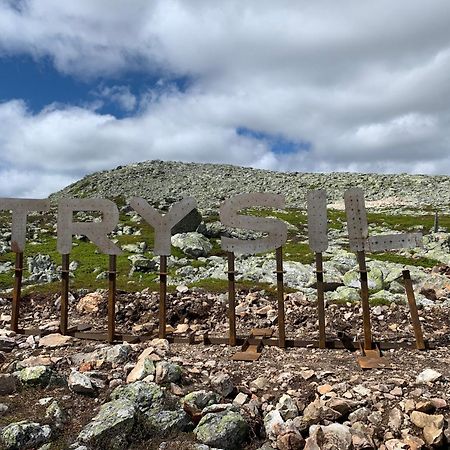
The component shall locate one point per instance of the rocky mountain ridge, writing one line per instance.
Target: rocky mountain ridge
(164, 182)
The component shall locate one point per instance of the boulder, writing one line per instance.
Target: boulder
(374, 276)
(81, 383)
(111, 427)
(167, 372)
(25, 435)
(35, 376)
(144, 396)
(226, 430)
(192, 244)
(188, 223)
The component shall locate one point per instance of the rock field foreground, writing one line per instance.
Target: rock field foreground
(59, 392)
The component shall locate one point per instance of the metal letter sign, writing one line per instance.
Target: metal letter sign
(358, 230)
(317, 220)
(163, 224)
(20, 209)
(95, 231)
(276, 229)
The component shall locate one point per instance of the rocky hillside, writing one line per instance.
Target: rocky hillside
(60, 392)
(163, 183)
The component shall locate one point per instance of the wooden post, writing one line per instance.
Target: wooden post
(18, 271)
(365, 300)
(320, 300)
(112, 277)
(231, 299)
(420, 344)
(64, 294)
(162, 296)
(280, 294)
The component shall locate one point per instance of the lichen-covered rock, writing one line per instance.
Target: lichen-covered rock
(143, 395)
(192, 244)
(35, 376)
(374, 278)
(200, 399)
(162, 422)
(167, 372)
(111, 427)
(56, 414)
(227, 430)
(25, 435)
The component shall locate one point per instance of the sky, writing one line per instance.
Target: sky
(301, 85)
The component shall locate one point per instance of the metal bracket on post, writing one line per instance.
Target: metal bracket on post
(162, 296)
(280, 296)
(231, 299)
(63, 327)
(112, 277)
(420, 344)
(18, 272)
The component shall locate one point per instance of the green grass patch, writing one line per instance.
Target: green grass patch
(300, 252)
(377, 301)
(407, 222)
(404, 260)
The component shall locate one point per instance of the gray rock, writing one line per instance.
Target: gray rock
(199, 400)
(35, 376)
(428, 376)
(111, 427)
(192, 244)
(159, 422)
(226, 430)
(25, 435)
(287, 407)
(142, 264)
(56, 414)
(42, 269)
(3, 409)
(167, 372)
(374, 275)
(330, 437)
(223, 384)
(81, 383)
(144, 396)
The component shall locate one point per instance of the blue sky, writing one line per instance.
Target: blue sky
(89, 85)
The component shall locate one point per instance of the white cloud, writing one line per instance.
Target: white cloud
(365, 82)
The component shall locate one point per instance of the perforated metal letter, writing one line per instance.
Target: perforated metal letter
(95, 231)
(163, 224)
(20, 209)
(276, 229)
(358, 230)
(317, 220)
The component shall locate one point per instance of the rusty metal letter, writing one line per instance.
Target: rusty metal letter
(95, 231)
(20, 209)
(317, 220)
(358, 229)
(276, 229)
(163, 224)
